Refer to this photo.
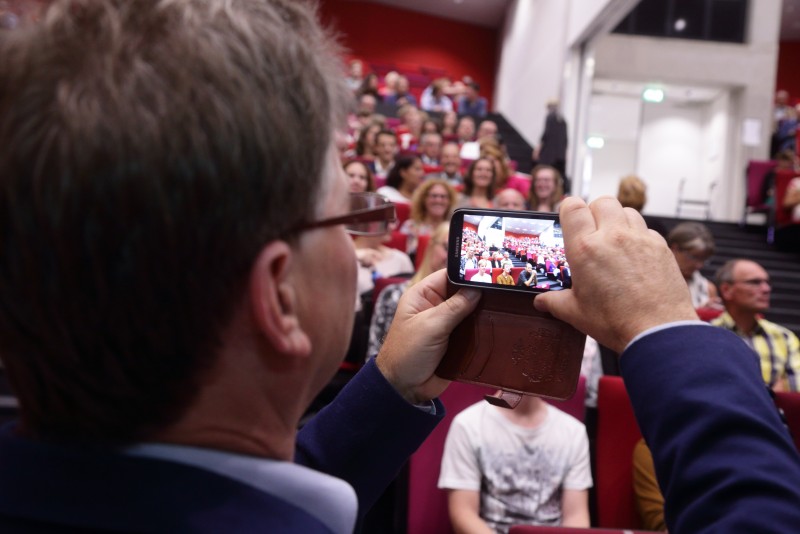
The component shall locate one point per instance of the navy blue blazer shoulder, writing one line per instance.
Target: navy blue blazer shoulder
(364, 437)
(723, 458)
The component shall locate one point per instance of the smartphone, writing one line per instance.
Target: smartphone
(520, 251)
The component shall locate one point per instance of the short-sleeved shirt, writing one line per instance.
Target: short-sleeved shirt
(520, 472)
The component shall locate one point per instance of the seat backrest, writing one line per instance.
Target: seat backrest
(783, 215)
(617, 435)
(756, 173)
(403, 212)
(422, 246)
(427, 504)
(398, 240)
(790, 404)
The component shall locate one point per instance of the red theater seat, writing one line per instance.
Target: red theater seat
(617, 435)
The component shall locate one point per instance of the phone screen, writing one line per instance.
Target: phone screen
(512, 250)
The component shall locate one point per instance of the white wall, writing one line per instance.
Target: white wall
(616, 119)
(747, 71)
(531, 63)
(537, 40)
(670, 149)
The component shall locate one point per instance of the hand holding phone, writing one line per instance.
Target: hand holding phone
(506, 343)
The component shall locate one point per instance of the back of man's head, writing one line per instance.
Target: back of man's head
(150, 149)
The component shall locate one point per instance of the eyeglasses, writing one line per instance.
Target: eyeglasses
(755, 282)
(370, 215)
(438, 196)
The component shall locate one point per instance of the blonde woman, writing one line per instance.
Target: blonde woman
(431, 205)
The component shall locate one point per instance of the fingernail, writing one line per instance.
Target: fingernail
(471, 294)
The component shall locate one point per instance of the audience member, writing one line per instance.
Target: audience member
(482, 275)
(431, 125)
(435, 258)
(509, 199)
(465, 130)
(411, 120)
(431, 205)
(434, 97)
(430, 148)
(547, 188)
(451, 166)
(745, 290)
(552, 149)
(359, 177)
(355, 76)
(385, 151)
(376, 260)
(389, 88)
(468, 261)
(487, 131)
(367, 104)
(401, 95)
(478, 185)
(365, 145)
(505, 277)
(403, 179)
(632, 193)
(527, 277)
(471, 103)
(449, 124)
(791, 201)
(649, 500)
(692, 245)
(529, 465)
(369, 86)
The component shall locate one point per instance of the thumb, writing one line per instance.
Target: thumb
(560, 304)
(455, 309)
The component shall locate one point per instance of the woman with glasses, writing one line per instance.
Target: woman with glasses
(692, 245)
(431, 205)
(386, 304)
(404, 177)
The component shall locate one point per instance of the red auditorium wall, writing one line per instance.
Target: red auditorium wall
(788, 77)
(383, 34)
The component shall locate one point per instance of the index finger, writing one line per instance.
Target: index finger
(608, 212)
(576, 219)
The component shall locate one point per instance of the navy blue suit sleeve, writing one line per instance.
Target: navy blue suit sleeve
(723, 458)
(365, 435)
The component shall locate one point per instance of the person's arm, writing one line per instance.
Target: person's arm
(385, 412)
(724, 465)
(792, 196)
(464, 507)
(575, 508)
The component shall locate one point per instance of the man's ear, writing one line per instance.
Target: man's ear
(725, 290)
(274, 302)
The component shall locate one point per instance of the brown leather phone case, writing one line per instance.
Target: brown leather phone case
(505, 343)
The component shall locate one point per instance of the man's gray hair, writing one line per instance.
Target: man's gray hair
(150, 150)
